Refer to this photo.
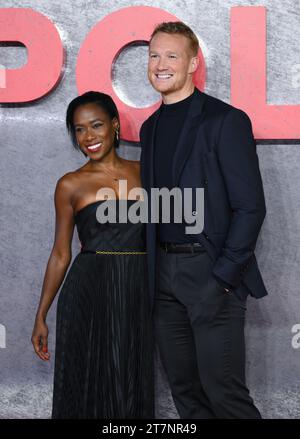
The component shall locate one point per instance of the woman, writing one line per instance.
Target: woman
(104, 351)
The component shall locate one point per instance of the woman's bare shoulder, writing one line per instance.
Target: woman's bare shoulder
(133, 165)
(69, 182)
(136, 163)
(68, 179)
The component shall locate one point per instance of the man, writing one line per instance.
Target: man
(200, 282)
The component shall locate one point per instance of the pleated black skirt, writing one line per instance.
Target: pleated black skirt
(104, 340)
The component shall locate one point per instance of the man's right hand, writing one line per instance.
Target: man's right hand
(39, 339)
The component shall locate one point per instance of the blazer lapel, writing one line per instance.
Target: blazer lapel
(149, 149)
(188, 134)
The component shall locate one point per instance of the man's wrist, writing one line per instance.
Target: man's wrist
(223, 284)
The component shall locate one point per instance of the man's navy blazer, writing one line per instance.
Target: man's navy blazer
(216, 150)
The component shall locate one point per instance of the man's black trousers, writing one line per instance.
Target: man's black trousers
(200, 333)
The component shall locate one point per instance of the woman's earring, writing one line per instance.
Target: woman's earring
(117, 133)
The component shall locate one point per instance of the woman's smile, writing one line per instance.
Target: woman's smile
(95, 147)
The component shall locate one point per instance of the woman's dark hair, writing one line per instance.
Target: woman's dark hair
(103, 100)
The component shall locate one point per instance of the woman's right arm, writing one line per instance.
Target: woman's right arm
(58, 263)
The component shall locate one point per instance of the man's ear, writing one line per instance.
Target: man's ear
(194, 64)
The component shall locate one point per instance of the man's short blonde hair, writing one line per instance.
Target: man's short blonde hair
(179, 28)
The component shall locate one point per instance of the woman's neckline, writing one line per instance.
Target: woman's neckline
(100, 201)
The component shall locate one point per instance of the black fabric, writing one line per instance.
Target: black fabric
(181, 248)
(200, 327)
(109, 236)
(169, 126)
(104, 340)
(168, 130)
(200, 332)
(217, 151)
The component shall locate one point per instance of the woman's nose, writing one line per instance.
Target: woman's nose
(90, 133)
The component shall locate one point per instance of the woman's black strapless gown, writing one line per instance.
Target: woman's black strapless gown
(104, 339)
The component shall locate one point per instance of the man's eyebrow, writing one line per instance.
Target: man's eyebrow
(168, 51)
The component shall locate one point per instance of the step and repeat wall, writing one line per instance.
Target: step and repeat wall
(50, 51)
